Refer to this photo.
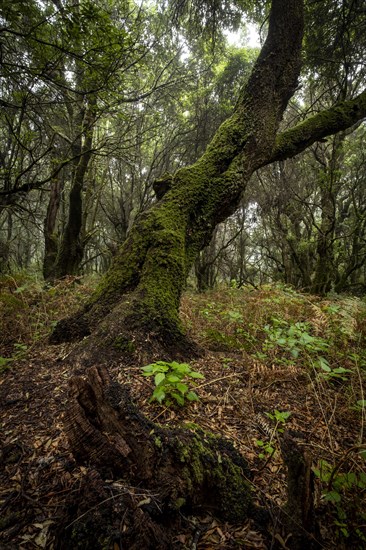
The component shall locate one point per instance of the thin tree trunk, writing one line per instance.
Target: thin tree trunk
(50, 237)
(71, 249)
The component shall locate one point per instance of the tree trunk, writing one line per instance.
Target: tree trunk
(185, 471)
(298, 515)
(152, 265)
(324, 270)
(50, 237)
(71, 249)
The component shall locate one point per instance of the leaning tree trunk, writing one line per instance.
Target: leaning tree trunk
(138, 299)
(149, 273)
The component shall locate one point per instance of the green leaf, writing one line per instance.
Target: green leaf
(192, 396)
(151, 369)
(324, 365)
(183, 388)
(362, 477)
(281, 416)
(161, 366)
(179, 399)
(173, 378)
(194, 374)
(159, 378)
(306, 338)
(333, 496)
(351, 478)
(148, 370)
(181, 367)
(158, 394)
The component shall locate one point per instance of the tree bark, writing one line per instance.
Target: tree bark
(299, 510)
(49, 226)
(70, 253)
(185, 471)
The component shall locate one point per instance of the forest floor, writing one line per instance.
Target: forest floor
(274, 360)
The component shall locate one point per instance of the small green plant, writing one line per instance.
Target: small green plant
(280, 418)
(233, 316)
(19, 351)
(360, 406)
(171, 382)
(296, 340)
(269, 448)
(337, 483)
(293, 338)
(344, 491)
(326, 372)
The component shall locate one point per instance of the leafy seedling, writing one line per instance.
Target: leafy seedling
(172, 382)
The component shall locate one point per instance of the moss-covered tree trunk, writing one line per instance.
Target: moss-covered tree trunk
(176, 470)
(138, 299)
(152, 265)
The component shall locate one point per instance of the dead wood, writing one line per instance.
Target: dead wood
(184, 470)
(299, 509)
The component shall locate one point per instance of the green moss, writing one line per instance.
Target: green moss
(122, 343)
(125, 271)
(178, 503)
(325, 123)
(213, 463)
(191, 426)
(11, 302)
(158, 443)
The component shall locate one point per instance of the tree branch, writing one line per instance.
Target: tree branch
(340, 117)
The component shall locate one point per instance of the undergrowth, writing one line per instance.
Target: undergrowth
(276, 327)
(29, 309)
